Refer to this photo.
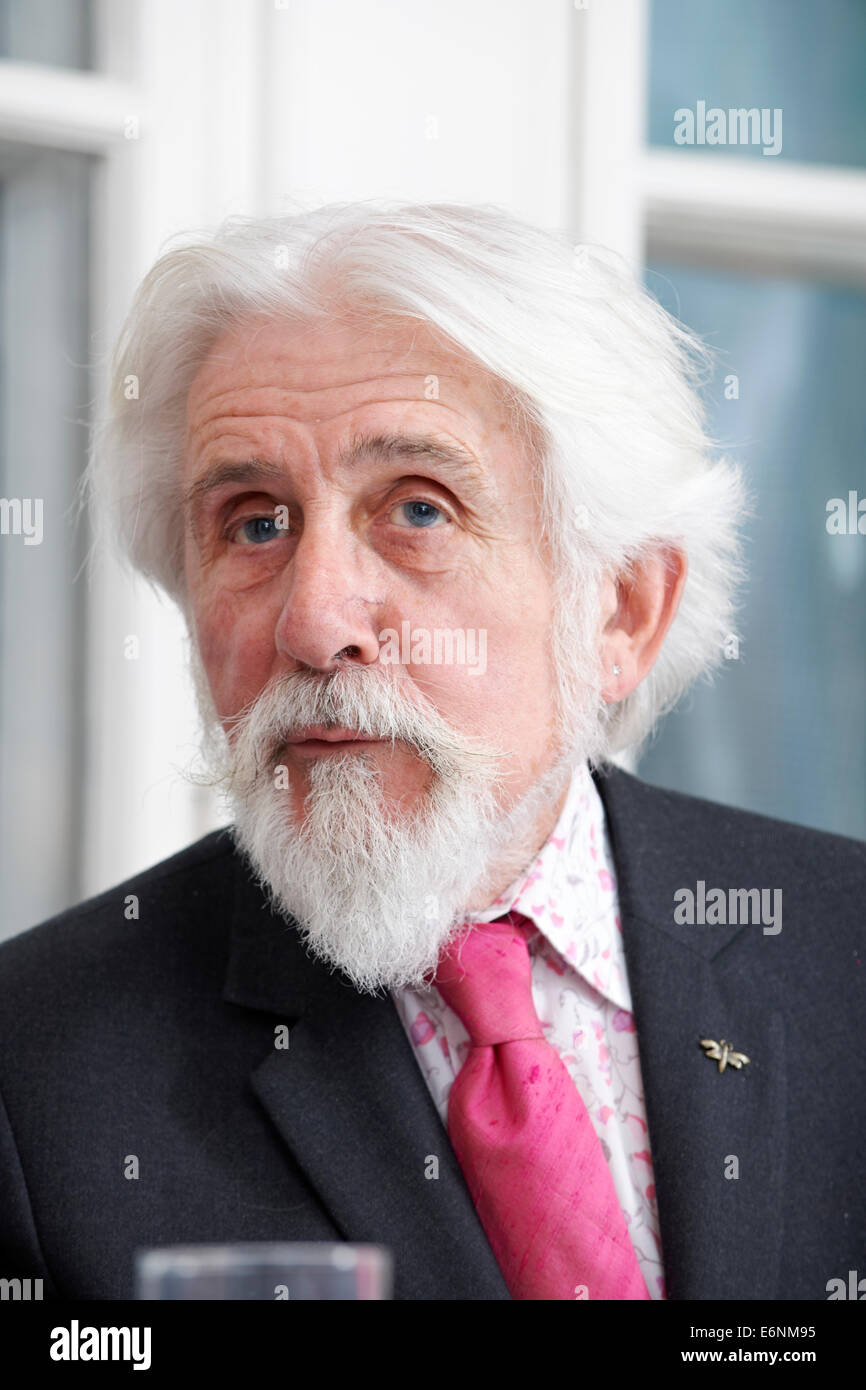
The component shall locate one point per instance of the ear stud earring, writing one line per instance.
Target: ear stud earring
(617, 670)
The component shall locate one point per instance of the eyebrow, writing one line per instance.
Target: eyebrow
(253, 470)
(451, 457)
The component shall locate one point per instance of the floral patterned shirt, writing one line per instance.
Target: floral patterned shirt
(581, 994)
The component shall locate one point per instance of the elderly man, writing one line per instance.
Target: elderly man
(433, 493)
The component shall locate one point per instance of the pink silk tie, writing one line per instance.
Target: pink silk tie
(532, 1161)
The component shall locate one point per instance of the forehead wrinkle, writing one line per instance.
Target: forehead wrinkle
(338, 384)
(393, 443)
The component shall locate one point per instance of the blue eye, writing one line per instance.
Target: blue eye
(420, 514)
(258, 529)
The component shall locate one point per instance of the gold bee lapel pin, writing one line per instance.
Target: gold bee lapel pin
(724, 1054)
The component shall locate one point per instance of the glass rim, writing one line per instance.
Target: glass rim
(337, 1254)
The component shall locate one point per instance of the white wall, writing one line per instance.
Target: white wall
(468, 102)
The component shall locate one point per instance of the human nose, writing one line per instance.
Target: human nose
(325, 618)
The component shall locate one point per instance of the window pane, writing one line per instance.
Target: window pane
(807, 60)
(782, 731)
(44, 394)
(57, 32)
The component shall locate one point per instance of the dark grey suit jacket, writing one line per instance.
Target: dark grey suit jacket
(155, 1038)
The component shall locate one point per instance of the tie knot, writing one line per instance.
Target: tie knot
(485, 976)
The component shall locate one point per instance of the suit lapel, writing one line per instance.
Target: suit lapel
(349, 1100)
(720, 1234)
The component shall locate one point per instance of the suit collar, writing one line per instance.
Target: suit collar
(660, 844)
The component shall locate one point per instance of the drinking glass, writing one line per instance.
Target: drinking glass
(273, 1271)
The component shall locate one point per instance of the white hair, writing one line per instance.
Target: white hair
(602, 385)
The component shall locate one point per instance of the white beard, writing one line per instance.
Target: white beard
(374, 892)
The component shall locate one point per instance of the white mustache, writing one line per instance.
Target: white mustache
(367, 700)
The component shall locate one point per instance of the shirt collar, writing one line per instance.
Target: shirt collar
(570, 895)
